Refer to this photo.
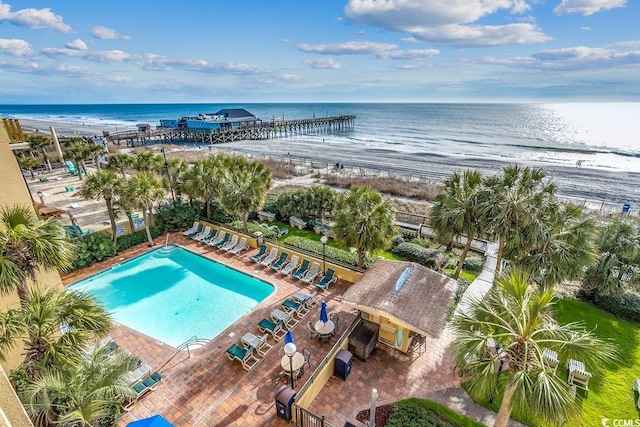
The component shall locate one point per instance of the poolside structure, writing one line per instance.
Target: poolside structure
(405, 299)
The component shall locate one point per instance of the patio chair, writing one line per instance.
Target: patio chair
(307, 357)
(276, 266)
(210, 237)
(301, 270)
(311, 274)
(218, 243)
(239, 247)
(258, 342)
(550, 359)
(314, 333)
(262, 251)
(291, 265)
(274, 328)
(578, 376)
(328, 279)
(230, 244)
(333, 316)
(72, 231)
(193, 229)
(244, 355)
(298, 308)
(636, 387)
(203, 234)
(270, 258)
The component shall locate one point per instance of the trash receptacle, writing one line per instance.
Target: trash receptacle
(626, 208)
(342, 367)
(284, 400)
(259, 238)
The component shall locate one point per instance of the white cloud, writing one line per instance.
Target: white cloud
(77, 44)
(105, 33)
(587, 7)
(447, 23)
(323, 63)
(361, 33)
(92, 55)
(408, 54)
(34, 18)
(585, 28)
(346, 48)
(15, 47)
(410, 39)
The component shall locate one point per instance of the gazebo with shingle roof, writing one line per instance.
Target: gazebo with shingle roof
(404, 298)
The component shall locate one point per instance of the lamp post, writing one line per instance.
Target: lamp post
(372, 414)
(166, 168)
(290, 349)
(323, 240)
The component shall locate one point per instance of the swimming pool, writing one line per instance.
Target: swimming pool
(172, 294)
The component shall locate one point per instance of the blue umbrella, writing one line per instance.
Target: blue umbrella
(155, 421)
(324, 317)
(289, 338)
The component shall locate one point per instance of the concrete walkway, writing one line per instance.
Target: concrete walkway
(482, 284)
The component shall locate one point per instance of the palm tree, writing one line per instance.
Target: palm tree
(619, 263)
(40, 143)
(38, 322)
(82, 394)
(364, 220)
(76, 149)
(515, 206)
(28, 245)
(458, 211)
(105, 184)
(147, 161)
(119, 162)
(512, 325)
(563, 252)
(28, 163)
(177, 170)
(145, 189)
(204, 179)
(321, 200)
(96, 151)
(244, 187)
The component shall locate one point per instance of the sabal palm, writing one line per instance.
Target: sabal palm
(145, 189)
(177, 170)
(204, 179)
(95, 151)
(244, 187)
(40, 143)
(519, 319)
(28, 163)
(147, 161)
(515, 206)
(119, 162)
(321, 200)
(563, 251)
(37, 323)
(458, 211)
(104, 184)
(28, 245)
(77, 150)
(364, 220)
(80, 394)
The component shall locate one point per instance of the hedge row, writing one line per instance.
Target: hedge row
(625, 306)
(424, 413)
(430, 258)
(253, 227)
(330, 252)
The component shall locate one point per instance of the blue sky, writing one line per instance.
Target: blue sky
(319, 51)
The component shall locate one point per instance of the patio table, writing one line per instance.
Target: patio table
(297, 362)
(323, 328)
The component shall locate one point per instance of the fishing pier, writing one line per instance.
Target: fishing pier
(262, 130)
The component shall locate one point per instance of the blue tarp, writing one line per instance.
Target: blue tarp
(155, 421)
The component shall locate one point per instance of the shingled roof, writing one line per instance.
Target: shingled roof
(421, 303)
(235, 113)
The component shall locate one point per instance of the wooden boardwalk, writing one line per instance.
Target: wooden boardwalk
(268, 130)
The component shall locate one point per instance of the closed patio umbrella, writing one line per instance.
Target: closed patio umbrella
(155, 421)
(324, 316)
(289, 338)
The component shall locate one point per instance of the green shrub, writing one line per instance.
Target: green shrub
(140, 236)
(253, 227)
(217, 213)
(397, 239)
(271, 205)
(434, 413)
(431, 258)
(415, 416)
(330, 252)
(425, 242)
(93, 248)
(625, 306)
(178, 216)
(474, 263)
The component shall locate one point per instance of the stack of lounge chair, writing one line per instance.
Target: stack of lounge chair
(328, 279)
(220, 241)
(203, 234)
(311, 274)
(239, 247)
(149, 383)
(291, 266)
(195, 229)
(230, 243)
(270, 259)
(299, 272)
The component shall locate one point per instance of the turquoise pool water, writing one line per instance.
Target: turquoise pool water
(172, 295)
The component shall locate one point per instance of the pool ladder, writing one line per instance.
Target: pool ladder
(166, 250)
(193, 342)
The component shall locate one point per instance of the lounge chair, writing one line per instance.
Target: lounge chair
(244, 355)
(198, 231)
(258, 342)
(276, 266)
(274, 328)
(279, 231)
(578, 376)
(550, 359)
(291, 265)
(285, 317)
(221, 242)
(328, 279)
(210, 237)
(239, 247)
(636, 387)
(72, 231)
(193, 229)
(262, 251)
(201, 235)
(308, 299)
(270, 258)
(311, 274)
(301, 270)
(219, 238)
(137, 374)
(298, 308)
(230, 244)
(143, 387)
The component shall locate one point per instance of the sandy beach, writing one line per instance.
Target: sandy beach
(581, 185)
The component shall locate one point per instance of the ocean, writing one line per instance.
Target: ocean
(593, 136)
